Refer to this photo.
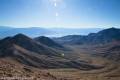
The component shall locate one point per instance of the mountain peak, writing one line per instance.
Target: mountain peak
(20, 35)
(47, 41)
(43, 37)
(110, 30)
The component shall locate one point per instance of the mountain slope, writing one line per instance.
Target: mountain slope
(110, 51)
(105, 36)
(26, 43)
(29, 52)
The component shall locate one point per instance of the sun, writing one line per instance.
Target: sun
(56, 4)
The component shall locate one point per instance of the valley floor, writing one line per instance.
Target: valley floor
(110, 70)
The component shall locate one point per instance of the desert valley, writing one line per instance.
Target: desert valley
(95, 56)
(59, 39)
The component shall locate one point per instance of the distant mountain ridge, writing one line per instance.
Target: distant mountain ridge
(103, 36)
(6, 31)
(32, 32)
(74, 31)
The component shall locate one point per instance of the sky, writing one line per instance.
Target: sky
(60, 13)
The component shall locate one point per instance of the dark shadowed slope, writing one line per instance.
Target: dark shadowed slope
(27, 51)
(27, 43)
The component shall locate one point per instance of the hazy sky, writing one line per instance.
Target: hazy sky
(60, 13)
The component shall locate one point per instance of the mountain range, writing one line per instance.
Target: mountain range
(95, 53)
(105, 43)
(38, 53)
(101, 37)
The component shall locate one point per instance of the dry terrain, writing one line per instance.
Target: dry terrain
(110, 70)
